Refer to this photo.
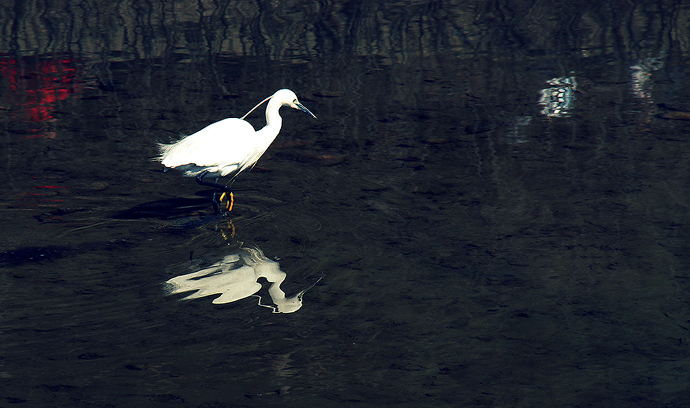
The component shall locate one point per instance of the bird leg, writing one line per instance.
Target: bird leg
(226, 193)
(200, 180)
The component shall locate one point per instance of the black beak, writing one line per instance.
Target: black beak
(305, 110)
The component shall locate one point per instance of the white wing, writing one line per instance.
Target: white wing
(220, 144)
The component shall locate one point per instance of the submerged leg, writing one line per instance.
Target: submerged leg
(214, 201)
(227, 193)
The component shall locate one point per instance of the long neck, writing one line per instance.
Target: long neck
(273, 119)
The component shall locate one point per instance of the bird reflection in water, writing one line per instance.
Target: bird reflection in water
(236, 277)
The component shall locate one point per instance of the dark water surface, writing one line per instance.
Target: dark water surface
(495, 198)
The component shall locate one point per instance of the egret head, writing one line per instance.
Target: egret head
(288, 98)
(291, 304)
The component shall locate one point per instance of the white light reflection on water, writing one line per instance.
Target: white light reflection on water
(558, 100)
(641, 73)
(236, 277)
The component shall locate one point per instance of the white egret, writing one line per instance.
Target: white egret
(227, 147)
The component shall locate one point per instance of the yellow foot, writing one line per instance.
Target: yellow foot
(230, 202)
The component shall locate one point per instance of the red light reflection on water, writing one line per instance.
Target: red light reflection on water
(33, 86)
(31, 89)
(41, 195)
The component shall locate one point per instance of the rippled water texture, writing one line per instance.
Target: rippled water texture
(491, 209)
